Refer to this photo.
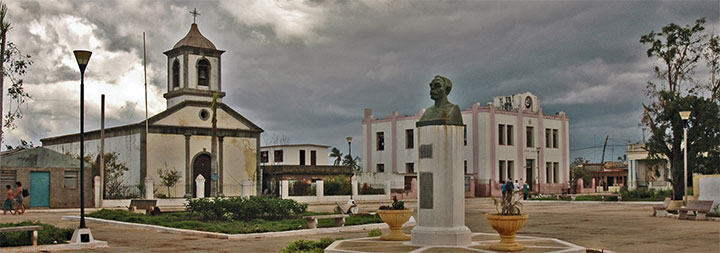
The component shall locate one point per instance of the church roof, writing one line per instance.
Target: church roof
(195, 39)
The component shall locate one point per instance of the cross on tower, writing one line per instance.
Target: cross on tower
(195, 14)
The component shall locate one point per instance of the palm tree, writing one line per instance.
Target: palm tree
(335, 153)
(354, 163)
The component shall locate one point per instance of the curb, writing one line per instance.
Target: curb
(57, 247)
(237, 236)
(595, 202)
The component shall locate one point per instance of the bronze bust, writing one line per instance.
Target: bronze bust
(442, 112)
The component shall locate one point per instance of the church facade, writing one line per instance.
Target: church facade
(180, 137)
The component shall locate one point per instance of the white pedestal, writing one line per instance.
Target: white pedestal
(82, 235)
(441, 192)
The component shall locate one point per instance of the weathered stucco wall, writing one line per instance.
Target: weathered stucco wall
(190, 116)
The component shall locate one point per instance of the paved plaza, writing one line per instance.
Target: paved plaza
(620, 227)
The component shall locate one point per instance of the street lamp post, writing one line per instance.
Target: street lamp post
(537, 171)
(685, 115)
(352, 162)
(82, 234)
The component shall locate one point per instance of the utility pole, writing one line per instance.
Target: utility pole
(102, 148)
(602, 159)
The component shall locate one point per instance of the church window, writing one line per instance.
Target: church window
(71, 179)
(204, 114)
(176, 74)
(203, 70)
(263, 156)
(278, 156)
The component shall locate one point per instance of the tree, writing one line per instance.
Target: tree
(170, 177)
(677, 50)
(579, 161)
(114, 172)
(335, 153)
(23, 145)
(353, 163)
(712, 57)
(14, 66)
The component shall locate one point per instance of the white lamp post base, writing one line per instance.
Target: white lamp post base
(82, 235)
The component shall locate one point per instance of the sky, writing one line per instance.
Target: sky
(307, 69)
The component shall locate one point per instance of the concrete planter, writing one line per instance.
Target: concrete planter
(506, 226)
(395, 219)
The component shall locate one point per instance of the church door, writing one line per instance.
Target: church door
(201, 165)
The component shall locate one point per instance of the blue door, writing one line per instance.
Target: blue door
(39, 189)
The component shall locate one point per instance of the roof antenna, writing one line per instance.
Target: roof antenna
(195, 14)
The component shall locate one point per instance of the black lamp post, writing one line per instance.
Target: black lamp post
(352, 162)
(82, 58)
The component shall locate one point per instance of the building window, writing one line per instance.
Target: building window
(176, 74)
(511, 169)
(203, 70)
(263, 156)
(409, 138)
(529, 138)
(510, 135)
(313, 157)
(8, 177)
(548, 172)
(547, 138)
(465, 167)
(71, 179)
(501, 169)
(380, 167)
(380, 141)
(501, 134)
(556, 172)
(278, 156)
(410, 167)
(555, 138)
(465, 135)
(302, 157)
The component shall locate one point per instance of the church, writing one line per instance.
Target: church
(180, 137)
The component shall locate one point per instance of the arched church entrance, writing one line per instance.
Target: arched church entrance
(201, 165)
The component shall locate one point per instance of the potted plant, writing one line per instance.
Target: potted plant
(395, 216)
(506, 222)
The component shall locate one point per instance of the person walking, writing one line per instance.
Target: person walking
(525, 190)
(502, 183)
(516, 188)
(9, 204)
(509, 188)
(19, 204)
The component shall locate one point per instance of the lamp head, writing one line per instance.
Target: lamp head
(82, 57)
(685, 115)
(349, 139)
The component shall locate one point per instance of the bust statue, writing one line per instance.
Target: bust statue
(442, 112)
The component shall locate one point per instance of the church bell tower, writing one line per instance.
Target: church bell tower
(193, 69)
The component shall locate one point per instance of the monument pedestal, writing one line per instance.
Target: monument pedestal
(441, 199)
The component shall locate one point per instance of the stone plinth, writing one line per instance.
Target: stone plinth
(441, 196)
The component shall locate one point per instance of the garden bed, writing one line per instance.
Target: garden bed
(193, 221)
(48, 235)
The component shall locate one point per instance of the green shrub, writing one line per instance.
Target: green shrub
(301, 188)
(645, 194)
(245, 208)
(611, 198)
(48, 235)
(311, 246)
(588, 198)
(366, 189)
(337, 185)
(375, 232)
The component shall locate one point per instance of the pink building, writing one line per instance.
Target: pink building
(511, 137)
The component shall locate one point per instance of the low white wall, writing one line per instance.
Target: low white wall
(339, 198)
(378, 180)
(126, 202)
(710, 189)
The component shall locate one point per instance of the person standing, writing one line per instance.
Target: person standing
(525, 190)
(502, 183)
(516, 188)
(19, 204)
(509, 188)
(8, 204)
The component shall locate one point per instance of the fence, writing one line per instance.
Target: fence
(320, 196)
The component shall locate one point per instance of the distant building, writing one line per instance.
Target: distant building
(52, 178)
(306, 162)
(608, 173)
(645, 173)
(510, 137)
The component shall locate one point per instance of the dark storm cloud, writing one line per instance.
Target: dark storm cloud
(308, 68)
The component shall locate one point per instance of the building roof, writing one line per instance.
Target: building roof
(38, 157)
(195, 39)
(295, 145)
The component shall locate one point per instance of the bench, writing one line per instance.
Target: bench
(350, 208)
(659, 210)
(147, 204)
(312, 221)
(34, 230)
(701, 207)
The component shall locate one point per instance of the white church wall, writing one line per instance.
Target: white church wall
(190, 116)
(179, 58)
(126, 146)
(192, 72)
(166, 151)
(239, 166)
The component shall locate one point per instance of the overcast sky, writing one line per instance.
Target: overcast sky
(306, 69)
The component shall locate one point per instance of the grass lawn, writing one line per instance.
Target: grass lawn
(48, 235)
(186, 220)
